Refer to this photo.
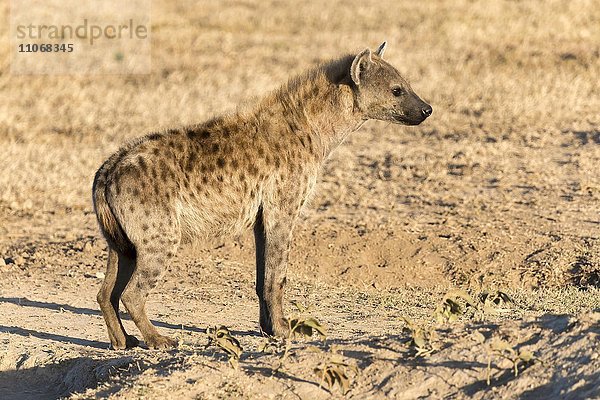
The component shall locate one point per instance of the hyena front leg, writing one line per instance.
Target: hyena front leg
(272, 233)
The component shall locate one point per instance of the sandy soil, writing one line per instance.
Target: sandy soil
(498, 190)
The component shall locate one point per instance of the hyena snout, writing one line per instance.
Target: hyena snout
(418, 112)
(409, 109)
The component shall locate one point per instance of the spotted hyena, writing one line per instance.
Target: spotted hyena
(254, 168)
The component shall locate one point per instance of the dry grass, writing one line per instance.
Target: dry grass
(504, 69)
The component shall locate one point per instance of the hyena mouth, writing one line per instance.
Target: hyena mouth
(405, 120)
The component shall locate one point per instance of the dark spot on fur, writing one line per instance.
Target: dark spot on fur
(136, 192)
(220, 178)
(204, 180)
(191, 133)
(226, 132)
(212, 122)
(156, 151)
(220, 162)
(143, 165)
(277, 162)
(191, 162)
(205, 134)
(260, 151)
(153, 136)
(145, 227)
(214, 148)
(165, 170)
(253, 170)
(131, 208)
(135, 173)
(235, 163)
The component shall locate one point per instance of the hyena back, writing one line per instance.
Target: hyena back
(252, 169)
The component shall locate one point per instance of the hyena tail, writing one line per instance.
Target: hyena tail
(109, 225)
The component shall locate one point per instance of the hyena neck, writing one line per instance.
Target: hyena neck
(320, 103)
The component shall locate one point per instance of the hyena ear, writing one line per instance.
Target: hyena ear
(361, 63)
(381, 49)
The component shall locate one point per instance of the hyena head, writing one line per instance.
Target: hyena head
(382, 93)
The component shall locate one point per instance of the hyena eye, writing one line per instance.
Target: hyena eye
(397, 91)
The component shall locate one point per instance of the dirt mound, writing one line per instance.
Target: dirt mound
(47, 375)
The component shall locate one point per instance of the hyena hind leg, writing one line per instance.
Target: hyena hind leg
(118, 273)
(149, 269)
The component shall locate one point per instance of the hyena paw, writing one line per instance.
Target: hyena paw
(279, 328)
(161, 342)
(127, 342)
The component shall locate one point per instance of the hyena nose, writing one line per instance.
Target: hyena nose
(426, 111)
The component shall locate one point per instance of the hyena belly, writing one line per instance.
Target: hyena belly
(210, 214)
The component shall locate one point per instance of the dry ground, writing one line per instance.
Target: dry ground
(499, 189)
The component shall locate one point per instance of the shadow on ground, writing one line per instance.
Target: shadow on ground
(24, 302)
